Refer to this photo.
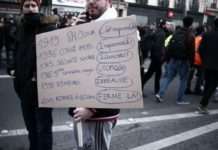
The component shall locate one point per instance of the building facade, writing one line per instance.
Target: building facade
(13, 7)
(78, 6)
(149, 11)
(9, 7)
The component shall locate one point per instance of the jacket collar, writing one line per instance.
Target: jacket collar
(110, 13)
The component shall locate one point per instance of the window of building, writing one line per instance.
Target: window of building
(214, 4)
(144, 2)
(193, 5)
(179, 4)
(163, 3)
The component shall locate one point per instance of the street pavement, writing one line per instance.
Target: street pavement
(158, 126)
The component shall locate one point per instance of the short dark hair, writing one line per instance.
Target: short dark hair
(55, 11)
(216, 23)
(187, 21)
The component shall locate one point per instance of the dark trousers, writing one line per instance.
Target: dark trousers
(10, 54)
(211, 82)
(154, 67)
(1, 47)
(199, 80)
(38, 121)
(142, 76)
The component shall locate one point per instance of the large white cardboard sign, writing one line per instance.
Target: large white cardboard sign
(93, 65)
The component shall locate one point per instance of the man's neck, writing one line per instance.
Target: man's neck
(109, 13)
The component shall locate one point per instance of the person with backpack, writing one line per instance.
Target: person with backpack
(180, 55)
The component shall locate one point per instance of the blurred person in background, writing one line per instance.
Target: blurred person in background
(209, 54)
(157, 53)
(180, 56)
(10, 29)
(197, 66)
(56, 16)
(2, 23)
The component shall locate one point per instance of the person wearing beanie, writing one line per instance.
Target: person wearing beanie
(38, 3)
(38, 121)
(209, 54)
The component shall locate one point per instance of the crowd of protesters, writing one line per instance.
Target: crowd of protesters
(8, 29)
(184, 50)
(180, 52)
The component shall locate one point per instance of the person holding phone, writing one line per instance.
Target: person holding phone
(97, 124)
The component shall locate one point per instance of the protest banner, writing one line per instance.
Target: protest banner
(93, 65)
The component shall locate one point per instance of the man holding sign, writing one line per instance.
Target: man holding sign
(97, 124)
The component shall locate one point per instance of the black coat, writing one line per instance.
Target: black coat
(25, 60)
(209, 50)
(158, 49)
(10, 35)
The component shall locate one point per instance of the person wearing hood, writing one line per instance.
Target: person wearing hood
(97, 124)
(38, 121)
(157, 53)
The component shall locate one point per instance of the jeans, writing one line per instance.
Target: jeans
(174, 67)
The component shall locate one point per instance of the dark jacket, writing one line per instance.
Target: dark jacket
(10, 30)
(25, 57)
(1, 35)
(208, 50)
(158, 49)
(146, 44)
(190, 45)
(10, 34)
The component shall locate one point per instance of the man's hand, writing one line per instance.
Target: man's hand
(82, 18)
(82, 114)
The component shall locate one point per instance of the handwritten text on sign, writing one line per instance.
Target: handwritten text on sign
(90, 65)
